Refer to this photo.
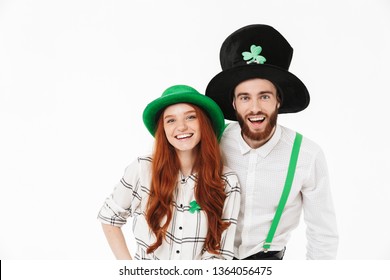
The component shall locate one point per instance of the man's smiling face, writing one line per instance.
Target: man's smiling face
(256, 105)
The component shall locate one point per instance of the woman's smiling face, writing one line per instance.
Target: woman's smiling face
(181, 126)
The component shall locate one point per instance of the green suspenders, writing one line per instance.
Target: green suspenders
(286, 191)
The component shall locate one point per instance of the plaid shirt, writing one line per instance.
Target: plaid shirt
(188, 228)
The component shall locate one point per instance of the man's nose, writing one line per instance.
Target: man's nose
(256, 106)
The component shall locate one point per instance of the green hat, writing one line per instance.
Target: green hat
(183, 94)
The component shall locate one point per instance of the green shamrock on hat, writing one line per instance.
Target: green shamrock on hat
(254, 56)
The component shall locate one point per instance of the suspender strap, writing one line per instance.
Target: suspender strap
(286, 191)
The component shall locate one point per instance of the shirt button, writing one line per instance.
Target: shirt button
(181, 205)
(183, 180)
(177, 252)
(180, 228)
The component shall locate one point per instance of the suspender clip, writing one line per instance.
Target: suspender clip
(266, 246)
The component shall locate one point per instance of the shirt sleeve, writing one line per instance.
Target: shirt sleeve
(230, 213)
(124, 199)
(319, 213)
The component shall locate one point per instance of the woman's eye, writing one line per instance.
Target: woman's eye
(191, 117)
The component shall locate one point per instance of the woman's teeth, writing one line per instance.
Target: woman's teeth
(182, 136)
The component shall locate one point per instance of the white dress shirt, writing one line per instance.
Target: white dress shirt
(187, 231)
(262, 173)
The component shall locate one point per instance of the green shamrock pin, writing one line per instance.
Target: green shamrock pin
(254, 56)
(194, 207)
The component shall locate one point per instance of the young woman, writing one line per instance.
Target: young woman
(183, 201)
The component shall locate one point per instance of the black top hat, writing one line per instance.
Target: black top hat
(257, 51)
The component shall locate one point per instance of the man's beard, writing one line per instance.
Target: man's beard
(258, 136)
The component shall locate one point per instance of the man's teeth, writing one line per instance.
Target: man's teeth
(257, 119)
(182, 136)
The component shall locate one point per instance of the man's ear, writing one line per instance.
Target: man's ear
(234, 105)
(278, 105)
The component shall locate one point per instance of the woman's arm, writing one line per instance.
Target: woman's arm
(117, 242)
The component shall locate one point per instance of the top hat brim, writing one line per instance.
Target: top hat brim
(155, 108)
(295, 96)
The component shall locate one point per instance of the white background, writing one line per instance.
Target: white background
(76, 75)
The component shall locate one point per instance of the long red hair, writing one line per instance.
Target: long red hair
(209, 188)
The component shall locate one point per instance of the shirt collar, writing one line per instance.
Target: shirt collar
(183, 179)
(264, 150)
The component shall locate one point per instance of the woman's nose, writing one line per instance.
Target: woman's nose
(182, 126)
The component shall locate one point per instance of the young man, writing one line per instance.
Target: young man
(281, 173)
